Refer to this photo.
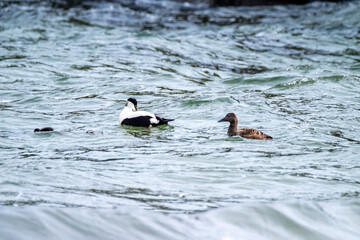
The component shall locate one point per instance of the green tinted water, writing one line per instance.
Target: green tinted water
(292, 72)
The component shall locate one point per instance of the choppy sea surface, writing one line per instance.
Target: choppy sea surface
(292, 72)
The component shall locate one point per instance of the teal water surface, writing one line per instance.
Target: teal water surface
(292, 72)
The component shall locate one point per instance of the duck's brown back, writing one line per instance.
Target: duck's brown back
(253, 134)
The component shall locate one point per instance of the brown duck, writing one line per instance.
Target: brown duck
(243, 132)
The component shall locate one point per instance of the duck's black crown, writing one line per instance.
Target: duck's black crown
(133, 100)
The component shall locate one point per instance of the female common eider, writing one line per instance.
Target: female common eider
(243, 132)
(131, 116)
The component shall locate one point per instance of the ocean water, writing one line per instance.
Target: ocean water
(292, 72)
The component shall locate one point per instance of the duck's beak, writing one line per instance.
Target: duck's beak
(222, 120)
(136, 108)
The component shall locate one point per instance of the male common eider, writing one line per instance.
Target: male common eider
(45, 129)
(131, 116)
(243, 132)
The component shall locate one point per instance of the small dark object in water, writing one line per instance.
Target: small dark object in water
(244, 132)
(339, 134)
(90, 132)
(45, 129)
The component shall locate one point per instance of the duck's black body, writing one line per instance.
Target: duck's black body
(132, 117)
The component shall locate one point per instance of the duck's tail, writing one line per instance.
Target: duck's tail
(163, 120)
(267, 137)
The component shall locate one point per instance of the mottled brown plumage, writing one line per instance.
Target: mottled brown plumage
(243, 132)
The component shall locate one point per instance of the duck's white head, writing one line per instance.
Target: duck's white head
(132, 104)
